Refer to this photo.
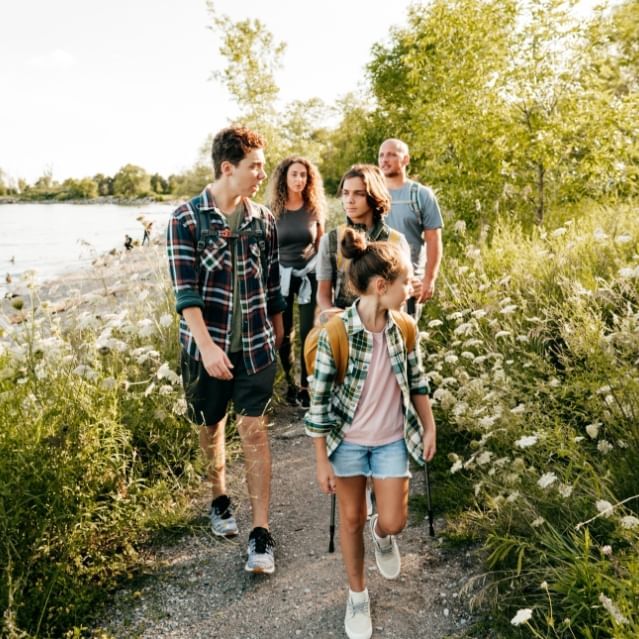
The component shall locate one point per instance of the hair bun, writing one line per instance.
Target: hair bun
(354, 244)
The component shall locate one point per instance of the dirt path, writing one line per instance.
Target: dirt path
(198, 588)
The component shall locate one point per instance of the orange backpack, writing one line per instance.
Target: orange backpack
(338, 340)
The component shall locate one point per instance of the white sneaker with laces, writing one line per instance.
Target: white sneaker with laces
(387, 555)
(357, 621)
(223, 523)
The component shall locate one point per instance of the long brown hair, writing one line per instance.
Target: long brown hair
(369, 259)
(377, 194)
(312, 195)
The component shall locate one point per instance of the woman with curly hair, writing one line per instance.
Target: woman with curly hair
(296, 198)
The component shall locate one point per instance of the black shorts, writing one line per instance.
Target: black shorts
(208, 398)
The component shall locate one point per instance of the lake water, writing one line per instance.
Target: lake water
(53, 238)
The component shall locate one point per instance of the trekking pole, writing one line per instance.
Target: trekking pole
(429, 504)
(331, 528)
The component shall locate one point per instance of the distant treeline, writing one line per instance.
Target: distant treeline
(129, 183)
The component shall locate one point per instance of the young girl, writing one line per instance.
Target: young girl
(361, 432)
(297, 201)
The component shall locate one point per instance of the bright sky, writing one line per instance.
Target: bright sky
(88, 86)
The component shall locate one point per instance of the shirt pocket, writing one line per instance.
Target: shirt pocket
(214, 255)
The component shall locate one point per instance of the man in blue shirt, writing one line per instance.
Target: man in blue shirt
(415, 213)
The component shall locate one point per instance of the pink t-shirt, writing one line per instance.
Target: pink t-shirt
(379, 417)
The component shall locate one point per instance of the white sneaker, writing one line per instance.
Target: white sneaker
(223, 523)
(357, 621)
(387, 556)
(260, 552)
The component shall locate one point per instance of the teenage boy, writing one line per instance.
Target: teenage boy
(415, 213)
(223, 258)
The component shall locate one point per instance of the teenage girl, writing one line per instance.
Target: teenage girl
(297, 201)
(361, 432)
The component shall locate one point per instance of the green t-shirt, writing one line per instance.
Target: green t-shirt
(233, 220)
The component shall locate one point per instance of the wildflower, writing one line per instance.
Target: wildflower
(468, 355)
(424, 336)
(612, 609)
(509, 310)
(603, 390)
(464, 329)
(519, 409)
(593, 429)
(472, 342)
(479, 313)
(108, 383)
(604, 507)
(455, 316)
(166, 320)
(487, 422)
(451, 358)
(546, 480)
(540, 521)
(165, 389)
(445, 398)
(435, 323)
(554, 382)
(179, 408)
(526, 441)
(558, 232)
(165, 372)
(544, 585)
(606, 550)
(460, 227)
(142, 295)
(145, 328)
(501, 334)
(604, 446)
(523, 616)
(565, 490)
(456, 467)
(600, 235)
(484, 458)
(480, 359)
(629, 521)
(149, 389)
(533, 320)
(513, 496)
(434, 377)
(447, 381)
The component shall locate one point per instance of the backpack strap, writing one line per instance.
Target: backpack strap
(338, 339)
(414, 200)
(407, 328)
(332, 251)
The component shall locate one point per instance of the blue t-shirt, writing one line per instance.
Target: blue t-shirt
(412, 224)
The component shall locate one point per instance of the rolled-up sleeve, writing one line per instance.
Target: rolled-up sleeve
(318, 421)
(324, 268)
(417, 381)
(180, 248)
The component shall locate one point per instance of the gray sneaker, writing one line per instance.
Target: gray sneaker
(222, 521)
(387, 556)
(260, 552)
(357, 620)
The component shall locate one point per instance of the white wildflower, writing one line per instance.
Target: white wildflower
(593, 429)
(579, 438)
(457, 466)
(565, 490)
(554, 382)
(609, 399)
(514, 495)
(519, 409)
(455, 316)
(145, 328)
(460, 227)
(142, 295)
(603, 390)
(606, 550)
(480, 359)
(629, 521)
(501, 334)
(179, 408)
(484, 458)
(451, 358)
(435, 323)
(479, 313)
(165, 389)
(526, 441)
(468, 355)
(149, 389)
(166, 320)
(434, 377)
(547, 479)
(600, 235)
(533, 320)
(165, 372)
(464, 329)
(487, 421)
(509, 310)
(523, 616)
(612, 609)
(604, 507)
(540, 521)
(558, 232)
(448, 381)
(108, 383)
(604, 446)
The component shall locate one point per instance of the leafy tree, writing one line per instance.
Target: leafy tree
(104, 184)
(159, 184)
(131, 181)
(83, 189)
(191, 182)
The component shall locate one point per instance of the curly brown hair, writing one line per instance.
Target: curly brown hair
(377, 194)
(312, 195)
(369, 259)
(232, 144)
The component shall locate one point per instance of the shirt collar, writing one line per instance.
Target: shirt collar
(208, 204)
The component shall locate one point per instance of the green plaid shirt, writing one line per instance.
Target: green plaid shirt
(333, 405)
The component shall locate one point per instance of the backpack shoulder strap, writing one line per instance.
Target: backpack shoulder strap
(332, 250)
(202, 227)
(338, 339)
(414, 199)
(407, 328)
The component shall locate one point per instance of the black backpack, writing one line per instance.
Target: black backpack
(203, 231)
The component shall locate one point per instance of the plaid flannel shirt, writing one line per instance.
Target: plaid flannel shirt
(211, 287)
(333, 405)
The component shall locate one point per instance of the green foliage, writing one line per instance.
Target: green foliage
(97, 455)
(532, 346)
(78, 189)
(131, 181)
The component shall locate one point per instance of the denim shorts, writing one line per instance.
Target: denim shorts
(380, 462)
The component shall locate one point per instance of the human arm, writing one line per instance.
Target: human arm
(278, 328)
(434, 250)
(214, 359)
(425, 414)
(323, 469)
